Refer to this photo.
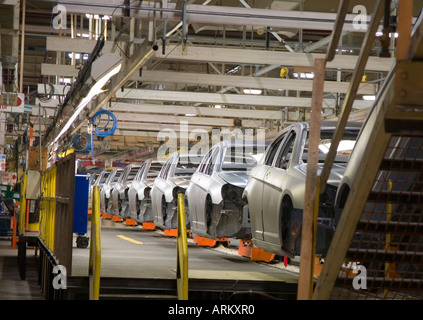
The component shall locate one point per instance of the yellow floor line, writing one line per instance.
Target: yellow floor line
(129, 239)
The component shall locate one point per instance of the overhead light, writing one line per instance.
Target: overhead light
(217, 106)
(83, 35)
(78, 56)
(307, 75)
(252, 91)
(102, 69)
(379, 34)
(369, 98)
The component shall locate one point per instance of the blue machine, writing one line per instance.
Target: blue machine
(80, 211)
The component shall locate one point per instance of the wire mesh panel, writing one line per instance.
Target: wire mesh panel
(385, 257)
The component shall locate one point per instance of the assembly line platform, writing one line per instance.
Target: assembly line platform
(138, 263)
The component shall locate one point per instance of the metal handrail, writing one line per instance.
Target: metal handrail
(182, 252)
(94, 268)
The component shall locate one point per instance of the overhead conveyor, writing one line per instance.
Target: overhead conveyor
(377, 249)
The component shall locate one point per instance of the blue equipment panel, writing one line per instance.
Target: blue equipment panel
(80, 216)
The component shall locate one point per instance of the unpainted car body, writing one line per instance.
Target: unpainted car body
(276, 189)
(106, 190)
(139, 196)
(173, 177)
(214, 195)
(97, 179)
(119, 193)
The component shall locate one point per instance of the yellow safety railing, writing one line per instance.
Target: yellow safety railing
(23, 206)
(95, 247)
(48, 207)
(182, 252)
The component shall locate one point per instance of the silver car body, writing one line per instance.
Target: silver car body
(98, 180)
(276, 187)
(214, 195)
(106, 188)
(173, 177)
(139, 192)
(119, 193)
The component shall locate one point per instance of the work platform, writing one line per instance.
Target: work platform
(138, 263)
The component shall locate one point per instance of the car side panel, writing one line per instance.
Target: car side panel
(254, 194)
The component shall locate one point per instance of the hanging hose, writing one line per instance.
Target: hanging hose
(81, 142)
(104, 131)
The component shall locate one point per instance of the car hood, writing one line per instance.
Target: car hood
(182, 181)
(335, 175)
(236, 178)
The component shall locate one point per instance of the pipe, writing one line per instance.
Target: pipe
(22, 46)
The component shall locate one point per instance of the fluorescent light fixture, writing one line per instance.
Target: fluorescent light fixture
(252, 91)
(66, 80)
(78, 56)
(83, 35)
(369, 98)
(379, 34)
(217, 106)
(102, 69)
(308, 75)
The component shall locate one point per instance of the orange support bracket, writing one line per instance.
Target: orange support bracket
(207, 242)
(247, 249)
(130, 222)
(171, 232)
(106, 216)
(148, 225)
(116, 218)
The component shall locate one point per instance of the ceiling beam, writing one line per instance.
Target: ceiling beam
(194, 111)
(190, 78)
(247, 82)
(227, 99)
(263, 57)
(215, 15)
(235, 56)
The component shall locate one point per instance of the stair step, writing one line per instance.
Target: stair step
(381, 255)
(389, 283)
(414, 198)
(401, 165)
(391, 227)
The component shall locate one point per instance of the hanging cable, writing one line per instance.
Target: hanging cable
(104, 130)
(81, 142)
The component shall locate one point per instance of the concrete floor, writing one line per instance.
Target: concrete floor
(11, 285)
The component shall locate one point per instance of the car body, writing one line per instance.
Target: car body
(106, 188)
(275, 190)
(119, 193)
(173, 177)
(97, 178)
(214, 195)
(139, 196)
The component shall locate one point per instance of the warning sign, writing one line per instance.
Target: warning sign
(9, 178)
(2, 162)
(12, 102)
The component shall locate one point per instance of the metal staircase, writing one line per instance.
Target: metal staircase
(377, 249)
